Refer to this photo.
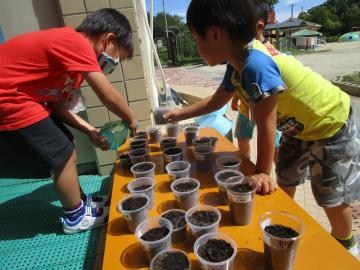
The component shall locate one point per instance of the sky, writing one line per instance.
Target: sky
(283, 8)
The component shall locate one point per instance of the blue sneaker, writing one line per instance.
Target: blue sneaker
(90, 218)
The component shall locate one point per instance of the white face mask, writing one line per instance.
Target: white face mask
(107, 63)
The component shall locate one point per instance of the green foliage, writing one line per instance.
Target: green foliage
(352, 78)
(272, 3)
(172, 21)
(335, 16)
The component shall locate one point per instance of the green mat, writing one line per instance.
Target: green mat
(30, 232)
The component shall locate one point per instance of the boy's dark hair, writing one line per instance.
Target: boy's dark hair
(262, 10)
(109, 20)
(238, 17)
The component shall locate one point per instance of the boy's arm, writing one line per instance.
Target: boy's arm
(72, 119)
(205, 106)
(265, 118)
(111, 98)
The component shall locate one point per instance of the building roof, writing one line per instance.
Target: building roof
(306, 33)
(291, 23)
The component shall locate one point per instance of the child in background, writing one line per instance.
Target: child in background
(318, 121)
(41, 73)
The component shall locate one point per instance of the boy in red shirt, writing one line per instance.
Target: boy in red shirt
(41, 73)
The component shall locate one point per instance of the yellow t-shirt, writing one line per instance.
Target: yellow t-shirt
(309, 107)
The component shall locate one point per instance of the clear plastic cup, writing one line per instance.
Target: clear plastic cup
(280, 252)
(172, 154)
(228, 163)
(225, 265)
(190, 134)
(168, 142)
(138, 143)
(172, 130)
(178, 169)
(141, 135)
(159, 113)
(203, 155)
(134, 217)
(241, 202)
(144, 169)
(139, 155)
(225, 177)
(195, 230)
(179, 232)
(125, 162)
(202, 141)
(143, 185)
(157, 261)
(186, 199)
(154, 134)
(154, 247)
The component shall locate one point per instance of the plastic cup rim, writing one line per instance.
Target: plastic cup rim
(202, 207)
(185, 192)
(136, 195)
(132, 191)
(188, 164)
(170, 227)
(213, 236)
(233, 157)
(221, 183)
(181, 152)
(138, 164)
(268, 213)
(176, 210)
(170, 250)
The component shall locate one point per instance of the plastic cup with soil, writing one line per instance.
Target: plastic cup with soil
(241, 201)
(228, 163)
(154, 134)
(202, 141)
(203, 219)
(186, 192)
(138, 143)
(154, 235)
(168, 142)
(172, 130)
(143, 185)
(178, 169)
(171, 259)
(203, 155)
(141, 135)
(159, 113)
(139, 155)
(177, 219)
(225, 177)
(172, 154)
(282, 232)
(215, 251)
(134, 209)
(190, 134)
(144, 169)
(125, 162)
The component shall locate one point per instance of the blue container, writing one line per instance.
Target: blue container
(200, 119)
(218, 122)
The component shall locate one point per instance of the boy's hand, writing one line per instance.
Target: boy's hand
(172, 116)
(266, 185)
(234, 103)
(133, 127)
(99, 141)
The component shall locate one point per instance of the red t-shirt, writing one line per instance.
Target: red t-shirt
(40, 67)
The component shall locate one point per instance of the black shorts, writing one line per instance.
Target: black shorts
(47, 144)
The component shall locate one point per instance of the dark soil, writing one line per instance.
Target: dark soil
(133, 203)
(140, 141)
(143, 167)
(241, 188)
(185, 187)
(125, 156)
(139, 154)
(230, 163)
(168, 141)
(202, 151)
(225, 176)
(171, 261)
(177, 170)
(203, 218)
(216, 250)
(143, 187)
(141, 134)
(172, 151)
(203, 140)
(281, 231)
(176, 218)
(155, 234)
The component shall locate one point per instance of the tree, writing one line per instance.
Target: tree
(172, 21)
(331, 24)
(272, 4)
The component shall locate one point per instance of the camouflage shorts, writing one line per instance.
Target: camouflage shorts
(334, 164)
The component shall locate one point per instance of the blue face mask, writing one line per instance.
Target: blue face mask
(107, 63)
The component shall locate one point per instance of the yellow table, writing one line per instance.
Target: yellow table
(317, 249)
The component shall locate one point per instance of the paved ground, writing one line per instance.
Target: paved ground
(336, 59)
